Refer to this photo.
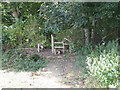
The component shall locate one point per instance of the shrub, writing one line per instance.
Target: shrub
(20, 33)
(18, 59)
(103, 65)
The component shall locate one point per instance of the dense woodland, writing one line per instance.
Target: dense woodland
(92, 28)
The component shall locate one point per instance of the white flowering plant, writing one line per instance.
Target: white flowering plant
(103, 65)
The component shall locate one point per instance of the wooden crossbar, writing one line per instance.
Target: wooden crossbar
(58, 47)
(58, 42)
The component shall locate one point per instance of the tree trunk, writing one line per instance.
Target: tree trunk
(15, 13)
(87, 33)
(118, 36)
(92, 31)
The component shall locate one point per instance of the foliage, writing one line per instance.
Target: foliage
(18, 59)
(20, 33)
(81, 57)
(13, 35)
(80, 16)
(26, 9)
(34, 30)
(72, 14)
(40, 19)
(103, 65)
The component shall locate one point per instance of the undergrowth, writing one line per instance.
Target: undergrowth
(19, 60)
(101, 64)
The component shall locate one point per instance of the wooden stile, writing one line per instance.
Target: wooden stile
(62, 47)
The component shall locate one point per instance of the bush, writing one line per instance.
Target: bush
(13, 35)
(19, 60)
(103, 65)
(20, 33)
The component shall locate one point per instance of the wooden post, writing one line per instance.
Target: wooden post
(63, 47)
(70, 48)
(52, 43)
(38, 47)
(86, 36)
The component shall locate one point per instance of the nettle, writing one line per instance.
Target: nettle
(103, 65)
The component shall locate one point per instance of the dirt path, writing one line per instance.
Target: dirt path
(60, 68)
(27, 80)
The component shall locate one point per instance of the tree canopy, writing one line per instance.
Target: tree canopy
(99, 19)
